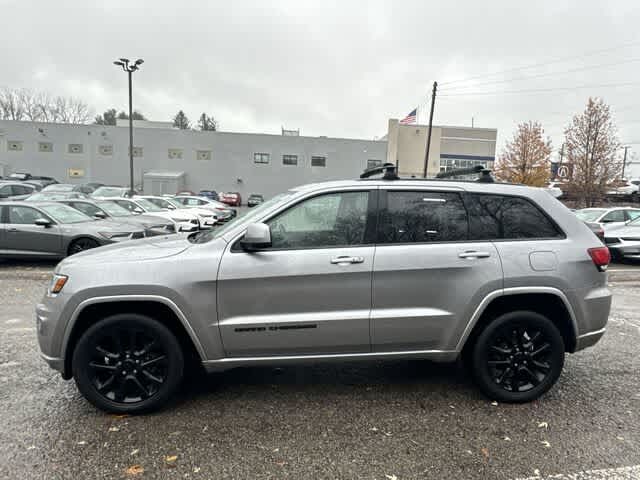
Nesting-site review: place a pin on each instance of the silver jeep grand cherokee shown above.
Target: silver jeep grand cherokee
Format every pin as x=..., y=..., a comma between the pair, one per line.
x=502, y=276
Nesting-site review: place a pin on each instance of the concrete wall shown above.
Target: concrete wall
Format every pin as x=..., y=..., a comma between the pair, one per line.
x=231, y=165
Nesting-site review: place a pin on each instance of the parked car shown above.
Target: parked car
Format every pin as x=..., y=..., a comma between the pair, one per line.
x=448, y=282
x=54, y=196
x=624, y=240
x=53, y=230
x=185, y=192
x=19, y=176
x=37, y=184
x=15, y=190
x=624, y=188
x=223, y=212
x=608, y=217
x=23, y=176
x=101, y=209
x=110, y=191
x=597, y=229
x=184, y=221
x=231, y=198
x=210, y=194
x=554, y=188
x=206, y=217
x=254, y=199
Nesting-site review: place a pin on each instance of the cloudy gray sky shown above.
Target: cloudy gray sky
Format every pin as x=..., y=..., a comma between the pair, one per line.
x=336, y=68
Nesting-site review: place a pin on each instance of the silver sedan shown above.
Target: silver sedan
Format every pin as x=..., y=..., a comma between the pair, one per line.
x=53, y=230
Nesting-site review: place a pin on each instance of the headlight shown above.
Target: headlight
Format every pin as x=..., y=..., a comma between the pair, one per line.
x=114, y=235
x=57, y=283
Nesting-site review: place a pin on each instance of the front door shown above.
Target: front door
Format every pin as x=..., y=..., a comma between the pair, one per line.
x=428, y=276
x=310, y=293
x=23, y=237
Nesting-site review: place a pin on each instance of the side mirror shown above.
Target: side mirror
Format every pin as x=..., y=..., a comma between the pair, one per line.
x=257, y=237
x=100, y=215
x=138, y=210
x=43, y=222
x=172, y=207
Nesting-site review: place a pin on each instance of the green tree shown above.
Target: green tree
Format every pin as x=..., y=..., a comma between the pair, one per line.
x=207, y=123
x=107, y=118
x=136, y=115
x=181, y=121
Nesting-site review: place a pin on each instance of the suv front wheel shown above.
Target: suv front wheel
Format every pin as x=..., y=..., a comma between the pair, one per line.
x=128, y=363
x=518, y=357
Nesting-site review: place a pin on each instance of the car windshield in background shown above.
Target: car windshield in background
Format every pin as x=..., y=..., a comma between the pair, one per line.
x=64, y=214
x=108, y=192
x=207, y=235
x=114, y=209
x=58, y=188
x=176, y=204
x=590, y=215
x=42, y=196
x=149, y=206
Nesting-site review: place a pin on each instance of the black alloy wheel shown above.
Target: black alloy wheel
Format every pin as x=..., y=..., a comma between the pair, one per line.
x=518, y=357
x=82, y=244
x=128, y=363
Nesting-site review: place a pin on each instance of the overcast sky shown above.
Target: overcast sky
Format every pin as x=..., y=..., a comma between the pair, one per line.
x=336, y=68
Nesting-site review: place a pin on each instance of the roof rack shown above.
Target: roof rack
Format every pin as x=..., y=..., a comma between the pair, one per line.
x=389, y=170
x=485, y=174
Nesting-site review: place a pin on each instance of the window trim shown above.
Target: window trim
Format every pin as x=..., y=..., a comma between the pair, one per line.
x=42, y=215
x=261, y=155
x=318, y=156
x=290, y=164
x=369, y=231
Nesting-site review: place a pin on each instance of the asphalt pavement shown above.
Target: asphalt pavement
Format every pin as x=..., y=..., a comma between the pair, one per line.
x=376, y=420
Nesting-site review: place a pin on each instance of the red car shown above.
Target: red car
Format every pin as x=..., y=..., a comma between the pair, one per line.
x=231, y=198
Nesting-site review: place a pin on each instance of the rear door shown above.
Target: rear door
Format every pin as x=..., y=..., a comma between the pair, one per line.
x=24, y=237
x=428, y=276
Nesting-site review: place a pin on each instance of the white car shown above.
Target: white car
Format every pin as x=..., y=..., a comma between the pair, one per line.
x=222, y=210
x=554, y=189
x=608, y=217
x=627, y=188
x=184, y=221
x=206, y=217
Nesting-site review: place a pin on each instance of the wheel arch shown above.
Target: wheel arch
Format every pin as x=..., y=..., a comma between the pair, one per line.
x=81, y=236
x=157, y=307
x=547, y=301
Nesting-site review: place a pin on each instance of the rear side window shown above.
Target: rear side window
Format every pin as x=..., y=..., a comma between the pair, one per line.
x=421, y=216
x=496, y=217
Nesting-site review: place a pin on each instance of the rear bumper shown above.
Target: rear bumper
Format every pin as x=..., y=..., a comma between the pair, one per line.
x=589, y=339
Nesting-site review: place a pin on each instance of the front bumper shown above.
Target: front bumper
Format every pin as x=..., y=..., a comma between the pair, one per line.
x=589, y=339
x=625, y=249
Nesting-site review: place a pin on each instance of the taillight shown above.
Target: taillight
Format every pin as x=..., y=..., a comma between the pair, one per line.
x=600, y=256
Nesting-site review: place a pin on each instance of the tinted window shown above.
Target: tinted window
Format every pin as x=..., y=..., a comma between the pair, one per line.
x=21, y=190
x=419, y=216
x=614, y=216
x=5, y=190
x=86, y=208
x=505, y=217
x=24, y=215
x=330, y=220
x=633, y=214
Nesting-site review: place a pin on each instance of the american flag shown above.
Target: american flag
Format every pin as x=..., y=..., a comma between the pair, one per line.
x=409, y=119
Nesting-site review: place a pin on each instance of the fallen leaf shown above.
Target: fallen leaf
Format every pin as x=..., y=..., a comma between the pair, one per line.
x=451, y=406
x=494, y=403
x=387, y=434
x=391, y=477
x=134, y=452
x=170, y=458
x=196, y=469
x=543, y=425
x=507, y=439
x=374, y=429
x=276, y=450
x=134, y=470
x=620, y=438
x=485, y=452
x=82, y=442
x=545, y=444
x=114, y=429
x=31, y=447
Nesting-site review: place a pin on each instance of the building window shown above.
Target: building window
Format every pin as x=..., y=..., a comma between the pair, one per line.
x=105, y=150
x=447, y=164
x=372, y=163
x=175, y=153
x=75, y=148
x=261, y=157
x=318, y=161
x=14, y=146
x=203, y=154
x=137, y=151
x=290, y=159
x=45, y=147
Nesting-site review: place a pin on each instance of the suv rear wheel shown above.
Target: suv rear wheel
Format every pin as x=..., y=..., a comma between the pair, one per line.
x=518, y=357
x=128, y=363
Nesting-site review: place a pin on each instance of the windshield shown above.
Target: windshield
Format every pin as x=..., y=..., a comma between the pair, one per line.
x=65, y=214
x=109, y=192
x=58, y=188
x=114, y=209
x=148, y=206
x=53, y=196
x=207, y=235
x=590, y=215
x=174, y=203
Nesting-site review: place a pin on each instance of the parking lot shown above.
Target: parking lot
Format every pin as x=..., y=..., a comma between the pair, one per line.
x=404, y=419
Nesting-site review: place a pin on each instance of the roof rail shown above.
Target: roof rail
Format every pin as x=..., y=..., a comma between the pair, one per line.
x=485, y=174
x=389, y=170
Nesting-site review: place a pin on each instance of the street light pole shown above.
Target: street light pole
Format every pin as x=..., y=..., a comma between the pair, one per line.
x=124, y=63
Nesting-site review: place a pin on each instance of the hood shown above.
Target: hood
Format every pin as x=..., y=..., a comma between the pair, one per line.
x=624, y=231
x=131, y=251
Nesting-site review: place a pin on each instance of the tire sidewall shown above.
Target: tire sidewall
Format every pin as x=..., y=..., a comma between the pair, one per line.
x=161, y=333
x=480, y=369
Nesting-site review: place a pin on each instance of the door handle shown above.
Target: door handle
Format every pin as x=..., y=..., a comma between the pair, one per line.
x=13, y=229
x=345, y=259
x=474, y=254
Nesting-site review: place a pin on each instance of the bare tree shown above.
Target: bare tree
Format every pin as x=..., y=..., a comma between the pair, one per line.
x=10, y=106
x=525, y=159
x=592, y=150
x=23, y=104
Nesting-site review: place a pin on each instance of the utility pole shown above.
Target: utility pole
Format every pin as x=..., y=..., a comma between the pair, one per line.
x=433, y=103
x=624, y=160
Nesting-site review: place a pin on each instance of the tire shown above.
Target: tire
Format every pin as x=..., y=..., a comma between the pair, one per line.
x=81, y=244
x=536, y=353
x=120, y=377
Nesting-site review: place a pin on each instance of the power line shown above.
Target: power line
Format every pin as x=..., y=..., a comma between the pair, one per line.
x=548, y=74
x=550, y=62
x=541, y=90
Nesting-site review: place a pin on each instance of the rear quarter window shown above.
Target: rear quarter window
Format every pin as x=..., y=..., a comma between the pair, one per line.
x=504, y=217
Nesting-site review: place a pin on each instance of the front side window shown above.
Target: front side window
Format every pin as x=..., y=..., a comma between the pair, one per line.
x=261, y=157
x=496, y=217
x=633, y=214
x=86, y=208
x=65, y=214
x=23, y=215
x=22, y=190
x=421, y=216
x=331, y=220
x=614, y=216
